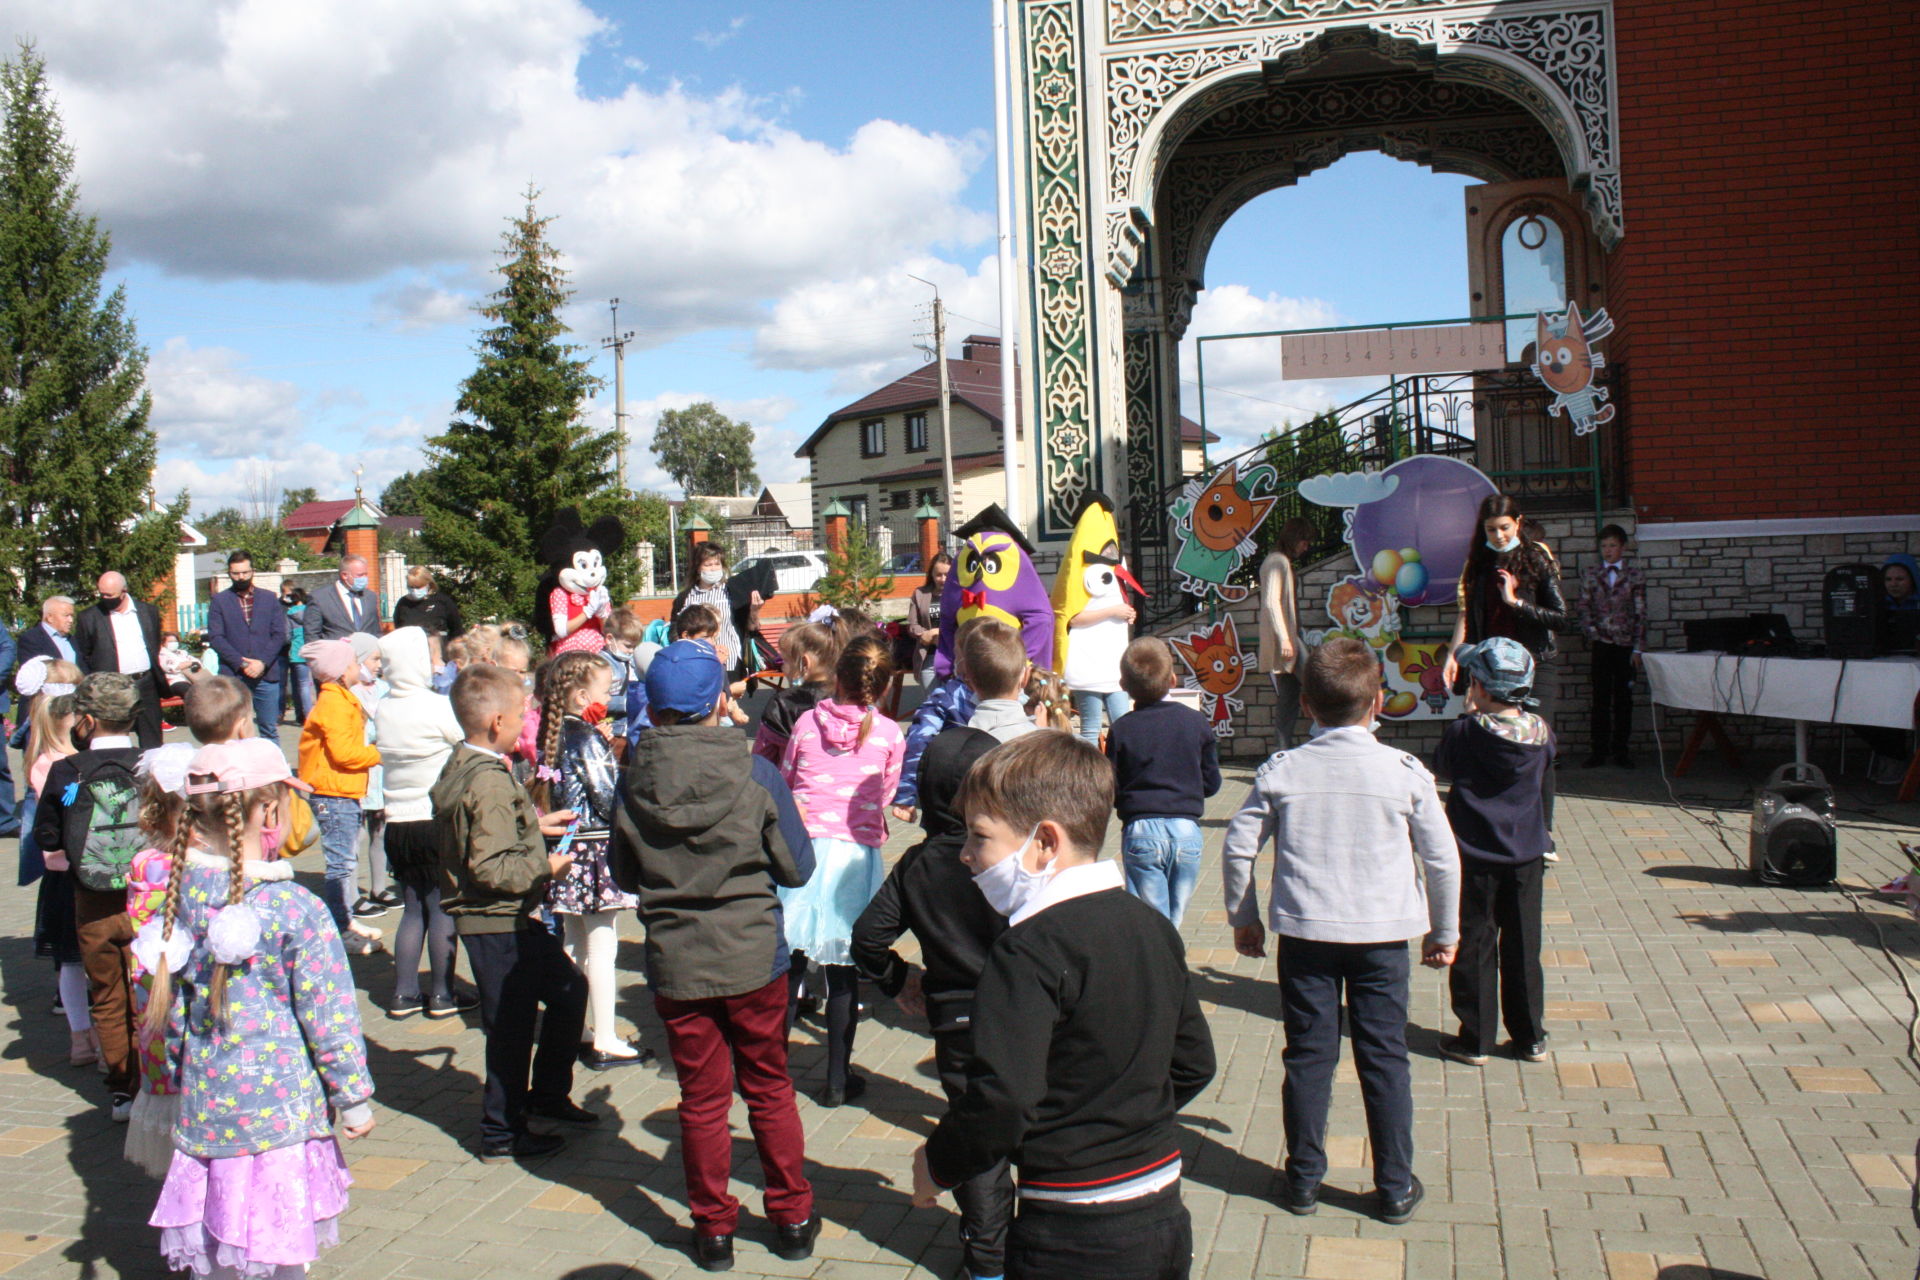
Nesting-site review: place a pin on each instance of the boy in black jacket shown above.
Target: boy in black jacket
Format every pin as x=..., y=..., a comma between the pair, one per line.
x=1499, y=757
x=1087, y=1030
x=929, y=895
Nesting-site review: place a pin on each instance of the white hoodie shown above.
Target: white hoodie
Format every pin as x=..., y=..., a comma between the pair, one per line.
x=414, y=726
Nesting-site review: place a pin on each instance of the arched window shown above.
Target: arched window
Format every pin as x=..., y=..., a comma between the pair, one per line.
x=1533, y=274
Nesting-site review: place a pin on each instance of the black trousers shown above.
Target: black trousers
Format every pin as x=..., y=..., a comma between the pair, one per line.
x=1499, y=956
x=518, y=972
x=1146, y=1239
x=146, y=719
x=843, y=995
x=1372, y=978
x=986, y=1201
x=1612, y=698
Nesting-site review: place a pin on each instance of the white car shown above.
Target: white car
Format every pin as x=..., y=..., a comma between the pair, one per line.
x=794, y=571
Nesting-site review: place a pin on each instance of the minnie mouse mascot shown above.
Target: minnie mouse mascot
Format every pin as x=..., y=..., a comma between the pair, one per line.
x=571, y=602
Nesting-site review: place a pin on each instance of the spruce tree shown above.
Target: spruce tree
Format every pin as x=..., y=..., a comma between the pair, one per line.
x=76, y=450
x=519, y=451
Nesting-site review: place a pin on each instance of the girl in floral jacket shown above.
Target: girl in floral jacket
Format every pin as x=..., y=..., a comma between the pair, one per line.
x=252, y=992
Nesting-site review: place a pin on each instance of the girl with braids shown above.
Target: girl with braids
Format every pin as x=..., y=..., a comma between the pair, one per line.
x=162, y=774
x=843, y=763
x=576, y=770
x=252, y=993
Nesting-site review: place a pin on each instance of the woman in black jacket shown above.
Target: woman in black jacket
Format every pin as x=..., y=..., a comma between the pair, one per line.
x=1511, y=587
x=431, y=610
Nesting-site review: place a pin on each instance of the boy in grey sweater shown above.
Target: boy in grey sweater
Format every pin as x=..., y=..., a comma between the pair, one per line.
x=1363, y=861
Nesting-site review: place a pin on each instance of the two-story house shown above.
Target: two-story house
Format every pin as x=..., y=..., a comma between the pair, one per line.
x=881, y=456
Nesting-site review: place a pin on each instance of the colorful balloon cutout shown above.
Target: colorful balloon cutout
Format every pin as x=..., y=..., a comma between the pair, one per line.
x=1430, y=519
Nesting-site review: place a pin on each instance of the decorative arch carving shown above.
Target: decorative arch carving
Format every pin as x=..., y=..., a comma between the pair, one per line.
x=1555, y=64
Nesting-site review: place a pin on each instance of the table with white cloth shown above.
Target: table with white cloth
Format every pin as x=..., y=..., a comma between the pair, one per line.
x=1863, y=691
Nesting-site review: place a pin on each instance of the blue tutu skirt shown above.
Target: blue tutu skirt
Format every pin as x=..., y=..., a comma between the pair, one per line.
x=820, y=913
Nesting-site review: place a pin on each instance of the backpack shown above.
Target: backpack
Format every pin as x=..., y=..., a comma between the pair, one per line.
x=101, y=833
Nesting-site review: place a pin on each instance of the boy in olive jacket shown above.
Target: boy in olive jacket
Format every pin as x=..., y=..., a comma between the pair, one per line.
x=494, y=870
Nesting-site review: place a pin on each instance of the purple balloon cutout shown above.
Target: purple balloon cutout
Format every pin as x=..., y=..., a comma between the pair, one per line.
x=1434, y=511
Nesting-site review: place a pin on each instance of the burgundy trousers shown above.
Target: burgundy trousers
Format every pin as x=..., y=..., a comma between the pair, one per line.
x=714, y=1043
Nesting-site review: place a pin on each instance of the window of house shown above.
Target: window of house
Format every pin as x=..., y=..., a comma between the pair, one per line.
x=1533, y=275
x=873, y=437
x=916, y=433
x=900, y=499
x=858, y=508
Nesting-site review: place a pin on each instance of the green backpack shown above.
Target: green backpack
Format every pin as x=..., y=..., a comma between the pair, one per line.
x=102, y=828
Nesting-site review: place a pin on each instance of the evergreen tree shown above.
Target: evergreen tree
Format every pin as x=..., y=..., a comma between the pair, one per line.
x=76, y=451
x=519, y=451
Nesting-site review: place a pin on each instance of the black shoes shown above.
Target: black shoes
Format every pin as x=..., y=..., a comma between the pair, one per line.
x=1456, y=1049
x=1534, y=1052
x=794, y=1241
x=451, y=1006
x=405, y=1008
x=525, y=1146
x=1302, y=1199
x=565, y=1110
x=1396, y=1212
x=856, y=1088
x=598, y=1060
x=367, y=908
x=712, y=1253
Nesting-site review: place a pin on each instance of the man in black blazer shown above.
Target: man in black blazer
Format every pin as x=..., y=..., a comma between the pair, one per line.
x=122, y=634
x=51, y=637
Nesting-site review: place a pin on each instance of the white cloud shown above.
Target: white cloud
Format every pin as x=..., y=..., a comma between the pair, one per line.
x=258, y=139
x=774, y=440
x=713, y=39
x=421, y=304
x=867, y=326
x=1245, y=394
x=239, y=484
x=206, y=403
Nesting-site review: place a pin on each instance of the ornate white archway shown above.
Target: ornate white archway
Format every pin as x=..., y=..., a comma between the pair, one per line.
x=1111, y=89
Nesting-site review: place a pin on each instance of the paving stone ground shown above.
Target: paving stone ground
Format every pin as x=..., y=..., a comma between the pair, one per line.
x=1729, y=1095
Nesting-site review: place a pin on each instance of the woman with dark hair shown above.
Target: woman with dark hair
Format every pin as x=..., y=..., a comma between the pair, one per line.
x=923, y=614
x=1511, y=587
x=738, y=611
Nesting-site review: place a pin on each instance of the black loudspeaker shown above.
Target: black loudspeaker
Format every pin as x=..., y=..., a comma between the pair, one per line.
x=1854, y=606
x=1793, y=843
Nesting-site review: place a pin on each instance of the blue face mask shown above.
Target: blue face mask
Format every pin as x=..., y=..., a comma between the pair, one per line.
x=1510, y=544
x=359, y=583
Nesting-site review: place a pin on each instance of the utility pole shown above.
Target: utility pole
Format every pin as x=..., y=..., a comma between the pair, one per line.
x=939, y=351
x=619, y=343
x=1003, y=183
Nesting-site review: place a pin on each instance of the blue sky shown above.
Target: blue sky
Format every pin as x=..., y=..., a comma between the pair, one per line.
x=305, y=201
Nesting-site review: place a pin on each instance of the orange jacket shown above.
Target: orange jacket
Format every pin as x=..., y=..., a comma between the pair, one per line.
x=335, y=756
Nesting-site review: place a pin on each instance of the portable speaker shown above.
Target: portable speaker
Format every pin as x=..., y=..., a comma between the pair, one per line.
x=1854, y=610
x=1793, y=842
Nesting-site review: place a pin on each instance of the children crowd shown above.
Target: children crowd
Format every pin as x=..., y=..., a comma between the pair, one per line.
x=522, y=811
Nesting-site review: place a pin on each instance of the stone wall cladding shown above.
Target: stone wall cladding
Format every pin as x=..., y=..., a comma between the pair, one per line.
x=1703, y=578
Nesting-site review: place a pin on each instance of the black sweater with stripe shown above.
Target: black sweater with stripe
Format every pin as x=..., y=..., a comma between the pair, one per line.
x=1087, y=1039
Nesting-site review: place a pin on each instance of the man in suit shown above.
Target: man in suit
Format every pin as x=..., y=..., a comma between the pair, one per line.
x=248, y=629
x=51, y=637
x=123, y=634
x=344, y=606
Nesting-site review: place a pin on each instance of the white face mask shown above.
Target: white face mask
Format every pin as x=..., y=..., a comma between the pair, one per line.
x=418, y=593
x=1007, y=885
x=1503, y=547
x=712, y=577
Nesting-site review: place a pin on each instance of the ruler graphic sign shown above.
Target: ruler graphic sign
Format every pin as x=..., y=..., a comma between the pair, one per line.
x=1453, y=348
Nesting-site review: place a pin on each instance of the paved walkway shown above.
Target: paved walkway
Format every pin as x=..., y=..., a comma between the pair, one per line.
x=1729, y=1095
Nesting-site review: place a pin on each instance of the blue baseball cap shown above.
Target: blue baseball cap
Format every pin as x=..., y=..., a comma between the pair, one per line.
x=686, y=677
x=1502, y=666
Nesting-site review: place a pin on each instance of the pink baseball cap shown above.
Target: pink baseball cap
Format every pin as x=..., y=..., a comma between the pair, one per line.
x=239, y=766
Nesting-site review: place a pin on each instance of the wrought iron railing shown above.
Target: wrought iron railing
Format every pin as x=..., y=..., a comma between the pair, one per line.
x=1497, y=420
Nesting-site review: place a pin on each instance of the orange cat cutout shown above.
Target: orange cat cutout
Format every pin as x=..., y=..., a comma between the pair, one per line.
x=1213, y=656
x=1565, y=361
x=1214, y=519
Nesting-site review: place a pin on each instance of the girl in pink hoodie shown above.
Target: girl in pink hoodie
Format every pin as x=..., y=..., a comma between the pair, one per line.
x=843, y=763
